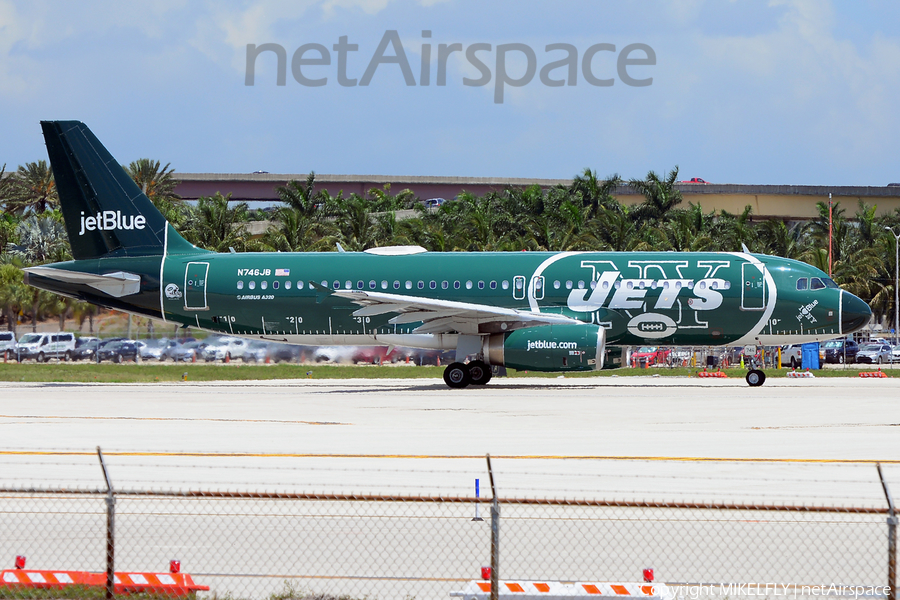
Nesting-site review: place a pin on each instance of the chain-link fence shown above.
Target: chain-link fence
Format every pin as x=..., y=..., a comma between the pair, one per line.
x=256, y=545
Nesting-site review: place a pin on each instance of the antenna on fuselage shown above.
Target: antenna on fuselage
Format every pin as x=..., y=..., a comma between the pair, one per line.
x=339, y=247
x=744, y=248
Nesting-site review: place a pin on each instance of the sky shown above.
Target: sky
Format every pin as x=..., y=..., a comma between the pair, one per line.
x=734, y=91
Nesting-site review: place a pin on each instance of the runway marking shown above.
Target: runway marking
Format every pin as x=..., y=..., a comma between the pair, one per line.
x=287, y=422
x=849, y=461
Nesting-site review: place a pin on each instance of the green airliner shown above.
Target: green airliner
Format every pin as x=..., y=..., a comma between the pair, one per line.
x=541, y=311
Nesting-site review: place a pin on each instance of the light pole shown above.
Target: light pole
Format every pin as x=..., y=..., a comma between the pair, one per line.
x=896, y=281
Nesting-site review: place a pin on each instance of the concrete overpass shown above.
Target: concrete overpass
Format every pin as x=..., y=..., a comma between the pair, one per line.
x=768, y=201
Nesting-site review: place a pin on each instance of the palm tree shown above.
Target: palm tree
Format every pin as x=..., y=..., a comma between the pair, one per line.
x=660, y=195
x=42, y=239
x=302, y=198
x=778, y=238
x=594, y=192
x=34, y=189
x=14, y=294
x=216, y=225
x=158, y=184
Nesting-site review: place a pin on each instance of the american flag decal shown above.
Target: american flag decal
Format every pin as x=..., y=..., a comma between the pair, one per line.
x=282, y=272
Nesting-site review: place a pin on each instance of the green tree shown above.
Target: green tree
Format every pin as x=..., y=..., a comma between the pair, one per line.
x=660, y=195
x=158, y=183
x=14, y=294
x=217, y=224
x=34, y=189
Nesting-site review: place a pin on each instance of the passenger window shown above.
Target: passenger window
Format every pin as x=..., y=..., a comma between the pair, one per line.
x=274, y=285
x=455, y=285
x=421, y=285
x=348, y=285
x=493, y=285
x=240, y=285
x=504, y=284
x=287, y=285
x=299, y=285
x=409, y=285
x=816, y=284
x=384, y=284
x=594, y=284
x=580, y=284
x=252, y=285
x=396, y=285
x=569, y=284
x=433, y=285
x=801, y=283
x=480, y=285
x=469, y=285
x=337, y=285
x=264, y=284
x=360, y=284
x=445, y=285
x=556, y=284
x=372, y=284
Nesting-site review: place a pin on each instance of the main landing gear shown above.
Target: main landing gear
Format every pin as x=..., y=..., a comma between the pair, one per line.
x=755, y=377
x=459, y=375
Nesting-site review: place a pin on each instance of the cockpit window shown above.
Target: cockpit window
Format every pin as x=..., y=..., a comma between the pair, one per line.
x=802, y=283
x=829, y=283
x=816, y=283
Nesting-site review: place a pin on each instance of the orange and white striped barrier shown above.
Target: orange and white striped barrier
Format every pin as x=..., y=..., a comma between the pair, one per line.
x=169, y=584
x=878, y=373
x=807, y=374
x=719, y=374
x=544, y=590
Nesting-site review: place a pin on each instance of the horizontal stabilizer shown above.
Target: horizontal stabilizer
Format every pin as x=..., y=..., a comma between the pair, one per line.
x=116, y=284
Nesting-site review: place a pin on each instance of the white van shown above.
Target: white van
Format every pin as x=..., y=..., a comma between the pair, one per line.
x=7, y=341
x=44, y=346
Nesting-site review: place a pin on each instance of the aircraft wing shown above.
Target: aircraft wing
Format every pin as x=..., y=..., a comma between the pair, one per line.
x=447, y=316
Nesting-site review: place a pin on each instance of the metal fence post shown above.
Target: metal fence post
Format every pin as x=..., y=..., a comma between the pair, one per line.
x=495, y=536
x=110, y=531
x=892, y=538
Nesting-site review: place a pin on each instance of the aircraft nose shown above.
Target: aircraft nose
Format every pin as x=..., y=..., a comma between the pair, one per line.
x=854, y=313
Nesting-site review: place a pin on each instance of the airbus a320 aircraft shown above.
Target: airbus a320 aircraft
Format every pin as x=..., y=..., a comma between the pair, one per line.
x=539, y=311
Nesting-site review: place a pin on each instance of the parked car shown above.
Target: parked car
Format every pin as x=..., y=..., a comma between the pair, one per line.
x=874, y=353
x=792, y=355
x=218, y=349
x=651, y=355
x=188, y=352
x=283, y=352
x=895, y=353
x=840, y=351
x=119, y=351
x=85, y=348
x=7, y=341
x=44, y=346
x=256, y=352
x=152, y=349
x=172, y=346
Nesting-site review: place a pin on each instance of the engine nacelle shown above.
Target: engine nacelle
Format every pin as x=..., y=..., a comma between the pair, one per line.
x=549, y=348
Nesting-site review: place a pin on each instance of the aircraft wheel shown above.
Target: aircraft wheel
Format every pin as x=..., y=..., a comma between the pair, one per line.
x=456, y=375
x=479, y=372
x=755, y=377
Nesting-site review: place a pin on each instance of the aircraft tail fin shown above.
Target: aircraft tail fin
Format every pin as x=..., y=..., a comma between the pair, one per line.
x=105, y=212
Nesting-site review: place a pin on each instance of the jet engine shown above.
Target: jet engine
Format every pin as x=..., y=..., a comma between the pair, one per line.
x=549, y=348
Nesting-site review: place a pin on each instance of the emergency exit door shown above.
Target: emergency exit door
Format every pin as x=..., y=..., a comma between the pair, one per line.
x=195, y=279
